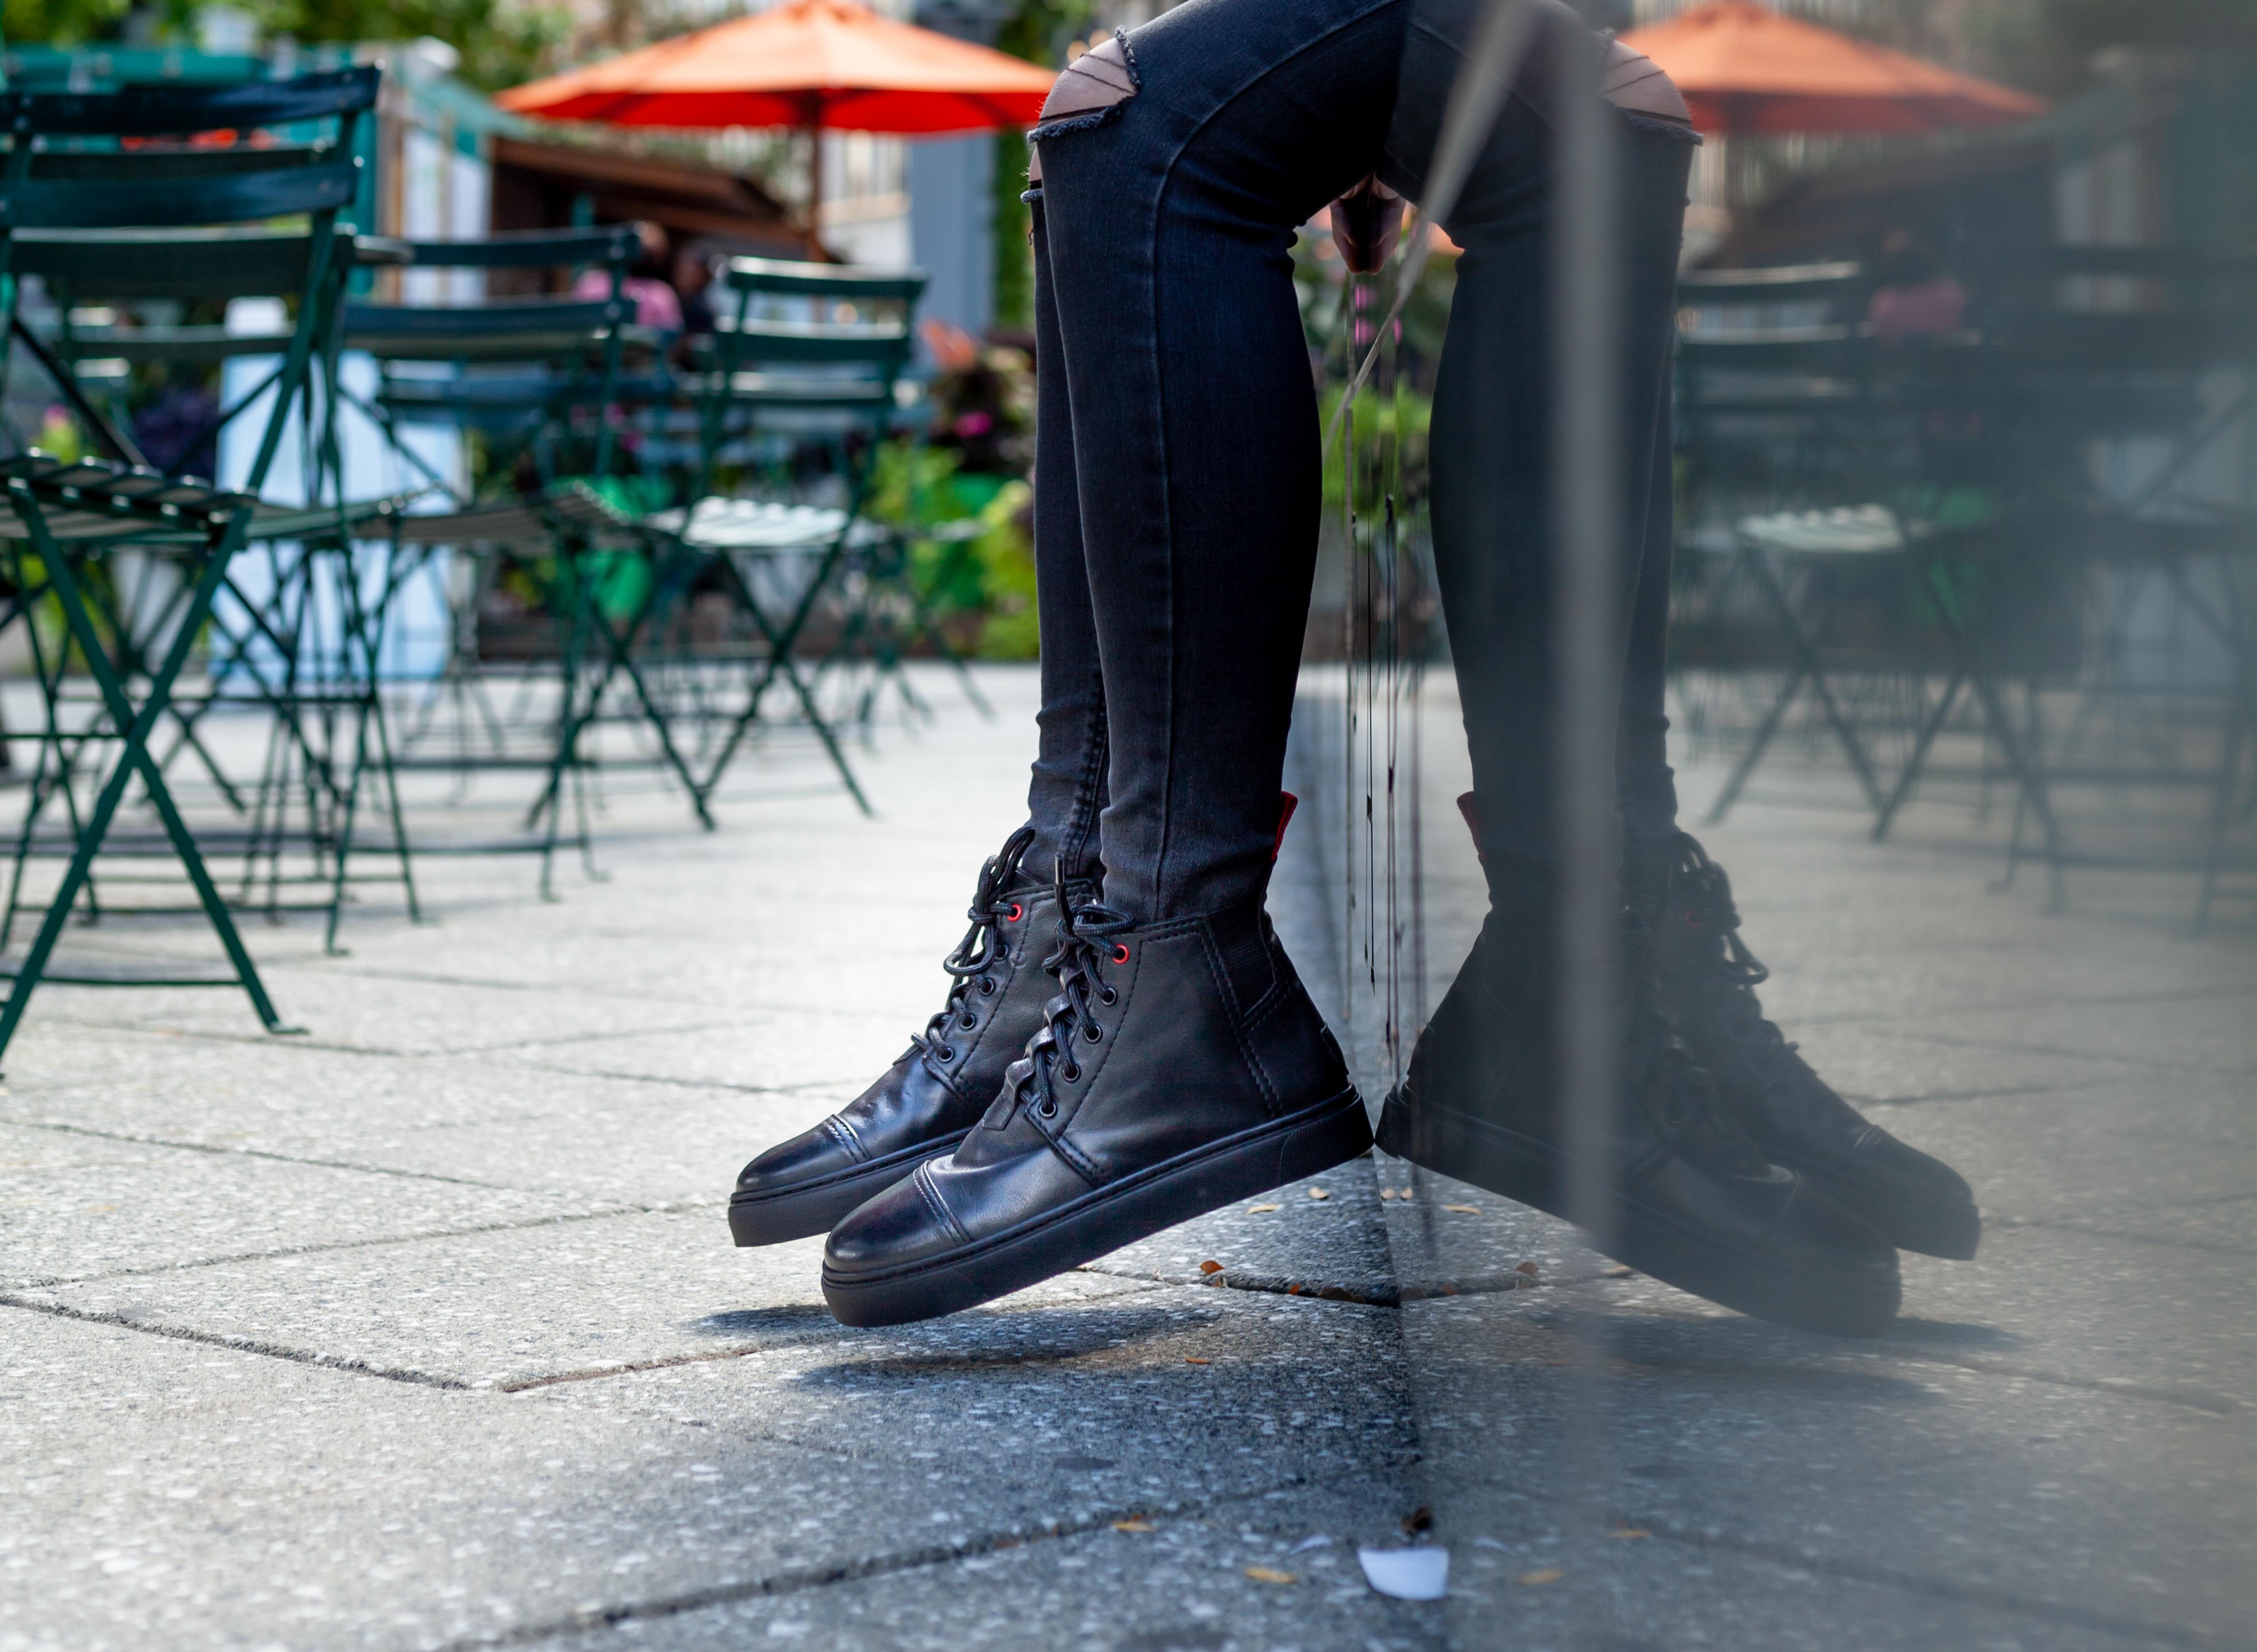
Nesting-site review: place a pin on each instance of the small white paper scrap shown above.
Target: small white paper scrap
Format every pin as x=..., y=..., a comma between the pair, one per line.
x=1315, y=1540
x=1407, y=1574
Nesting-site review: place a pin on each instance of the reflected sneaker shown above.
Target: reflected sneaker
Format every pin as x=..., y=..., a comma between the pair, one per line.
x=1696, y=1204
x=1181, y=1067
x=1709, y=981
x=939, y=1087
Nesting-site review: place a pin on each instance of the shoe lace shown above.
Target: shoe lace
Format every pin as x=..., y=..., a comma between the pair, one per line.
x=1086, y=944
x=1704, y=891
x=973, y=961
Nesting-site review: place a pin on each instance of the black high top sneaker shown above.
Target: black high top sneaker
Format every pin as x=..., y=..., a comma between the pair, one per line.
x=942, y=1084
x=1181, y=1067
x=1709, y=981
x=1697, y=1205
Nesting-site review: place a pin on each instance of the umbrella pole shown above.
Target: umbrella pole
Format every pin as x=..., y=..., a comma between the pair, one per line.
x=814, y=190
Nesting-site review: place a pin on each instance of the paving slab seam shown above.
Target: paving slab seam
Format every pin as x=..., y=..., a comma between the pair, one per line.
x=235, y=1345
x=1962, y=1593
x=2121, y=1235
x=802, y=1087
x=802, y=1579
x=679, y=1208
x=2009, y=1047
x=268, y=1153
x=1393, y=1295
x=300, y=1040
x=2119, y=1387
x=1858, y=1100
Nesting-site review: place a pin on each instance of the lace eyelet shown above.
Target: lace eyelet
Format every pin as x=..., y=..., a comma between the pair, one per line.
x=1046, y=1109
x=1016, y=913
x=1120, y=954
x=1094, y=1033
x=947, y=1052
x=968, y=1022
x=1070, y=1073
x=1108, y=996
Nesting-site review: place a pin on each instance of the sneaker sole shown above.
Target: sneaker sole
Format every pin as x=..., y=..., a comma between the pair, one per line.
x=1120, y=1213
x=817, y=1207
x=1836, y=1302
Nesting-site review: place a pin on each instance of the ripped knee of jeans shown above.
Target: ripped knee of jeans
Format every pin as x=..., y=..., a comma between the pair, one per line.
x=1088, y=93
x=1634, y=83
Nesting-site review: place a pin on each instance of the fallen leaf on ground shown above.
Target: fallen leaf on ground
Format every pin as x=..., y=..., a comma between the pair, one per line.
x=1407, y=1574
x=1319, y=1193
x=1529, y=1268
x=1134, y=1525
x=1464, y=1210
x=1210, y=1266
x=1257, y=1209
x=1617, y=1271
x=1630, y=1533
x=1190, y=1361
x=1543, y=1575
x=1271, y=1574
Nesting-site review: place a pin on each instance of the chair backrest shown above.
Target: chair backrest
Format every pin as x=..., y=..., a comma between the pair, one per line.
x=92, y=182
x=839, y=358
x=553, y=338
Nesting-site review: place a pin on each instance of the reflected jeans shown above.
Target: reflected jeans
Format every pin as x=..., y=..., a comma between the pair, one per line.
x=1178, y=475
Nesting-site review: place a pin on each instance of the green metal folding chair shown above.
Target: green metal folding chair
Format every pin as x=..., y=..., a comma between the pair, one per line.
x=832, y=377
x=540, y=377
x=75, y=202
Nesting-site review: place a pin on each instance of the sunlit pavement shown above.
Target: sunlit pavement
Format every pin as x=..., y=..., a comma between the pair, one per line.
x=423, y=1328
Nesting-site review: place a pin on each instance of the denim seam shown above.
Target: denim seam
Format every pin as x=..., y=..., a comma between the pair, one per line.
x=1167, y=177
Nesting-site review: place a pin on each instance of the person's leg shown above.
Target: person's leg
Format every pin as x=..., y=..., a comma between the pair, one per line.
x=1693, y=1200
x=1182, y=1066
x=1067, y=789
x=922, y=1105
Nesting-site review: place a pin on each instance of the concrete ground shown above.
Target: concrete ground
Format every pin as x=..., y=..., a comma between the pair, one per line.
x=423, y=1329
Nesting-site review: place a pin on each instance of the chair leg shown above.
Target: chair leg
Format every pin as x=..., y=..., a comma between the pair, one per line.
x=1931, y=727
x=135, y=729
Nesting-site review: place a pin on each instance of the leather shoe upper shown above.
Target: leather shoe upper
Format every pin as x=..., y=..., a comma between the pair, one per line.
x=1161, y=1038
x=938, y=1086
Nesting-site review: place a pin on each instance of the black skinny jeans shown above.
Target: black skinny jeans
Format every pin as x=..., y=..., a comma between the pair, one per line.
x=1177, y=476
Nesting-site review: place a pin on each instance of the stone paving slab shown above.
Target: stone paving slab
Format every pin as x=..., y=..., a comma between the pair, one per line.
x=78, y=1207
x=158, y=1493
x=490, y=1120
x=2075, y=1512
x=510, y=1309
x=1152, y=1397
x=1171, y=1585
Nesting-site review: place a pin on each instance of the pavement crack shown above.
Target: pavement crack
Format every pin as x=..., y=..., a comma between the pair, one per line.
x=56, y=1281
x=791, y=1580
x=256, y=1153
x=233, y=1345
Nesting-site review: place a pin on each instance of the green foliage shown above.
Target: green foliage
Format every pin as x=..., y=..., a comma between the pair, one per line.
x=61, y=22
x=1037, y=31
x=982, y=587
x=502, y=42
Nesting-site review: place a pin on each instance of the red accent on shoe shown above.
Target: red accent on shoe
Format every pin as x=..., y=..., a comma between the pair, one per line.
x=1120, y=953
x=1018, y=912
x=1286, y=804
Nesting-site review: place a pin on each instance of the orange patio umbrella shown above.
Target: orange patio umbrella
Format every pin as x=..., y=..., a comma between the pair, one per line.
x=810, y=64
x=807, y=63
x=1743, y=68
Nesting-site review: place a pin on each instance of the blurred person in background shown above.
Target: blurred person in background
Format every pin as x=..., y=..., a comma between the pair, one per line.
x=1126, y=1043
x=1915, y=299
